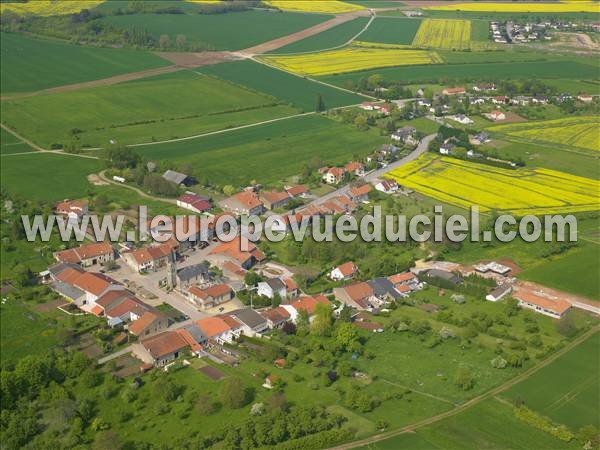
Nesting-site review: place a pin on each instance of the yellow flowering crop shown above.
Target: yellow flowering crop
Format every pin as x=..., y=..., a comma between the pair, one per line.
x=350, y=59
x=521, y=191
x=572, y=6
x=49, y=7
x=574, y=131
x=317, y=6
x=443, y=33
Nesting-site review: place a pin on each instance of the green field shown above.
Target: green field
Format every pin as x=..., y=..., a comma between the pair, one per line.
x=333, y=37
x=32, y=64
x=292, y=89
x=11, y=144
x=490, y=425
x=517, y=70
x=48, y=177
x=232, y=31
x=495, y=57
x=480, y=30
x=567, y=390
x=284, y=147
x=174, y=105
x=391, y=31
x=575, y=272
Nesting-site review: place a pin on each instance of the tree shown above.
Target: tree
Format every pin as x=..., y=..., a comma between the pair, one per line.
x=464, y=379
x=229, y=190
x=361, y=122
x=23, y=276
x=107, y=440
x=320, y=104
x=205, y=405
x=323, y=319
x=164, y=41
x=278, y=402
x=347, y=335
x=232, y=393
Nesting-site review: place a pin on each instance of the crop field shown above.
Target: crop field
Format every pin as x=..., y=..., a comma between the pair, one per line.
x=253, y=27
x=443, y=33
x=284, y=147
x=391, y=31
x=516, y=70
x=512, y=7
x=49, y=7
x=25, y=63
x=567, y=390
x=159, y=108
x=333, y=37
x=490, y=424
x=292, y=89
x=315, y=6
x=573, y=131
x=350, y=59
x=521, y=191
x=48, y=177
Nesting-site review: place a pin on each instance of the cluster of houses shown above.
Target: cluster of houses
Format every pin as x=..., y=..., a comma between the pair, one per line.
x=254, y=201
x=384, y=109
x=216, y=331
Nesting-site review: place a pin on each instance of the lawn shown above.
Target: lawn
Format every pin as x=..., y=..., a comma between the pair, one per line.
x=284, y=147
x=298, y=91
x=516, y=70
x=350, y=59
x=391, y=30
x=575, y=272
x=490, y=424
x=244, y=29
x=567, y=390
x=581, y=163
x=333, y=37
x=26, y=62
x=48, y=177
x=521, y=191
x=179, y=104
x=10, y=144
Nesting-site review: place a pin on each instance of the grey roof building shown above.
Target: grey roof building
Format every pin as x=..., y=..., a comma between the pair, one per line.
x=196, y=333
x=444, y=275
x=250, y=318
x=178, y=178
x=382, y=288
x=193, y=274
x=66, y=290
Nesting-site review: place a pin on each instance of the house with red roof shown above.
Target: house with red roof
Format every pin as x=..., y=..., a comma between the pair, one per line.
x=164, y=347
x=72, y=209
x=334, y=175
x=245, y=202
x=360, y=193
x=276, y=317
x=149, y=323
x=149, y=258
x=211, y=296
x=345, y=271
x=355, y=168
x=299, y=190
x=87, y=255
x=220, y=329
x=307, y=304
x=233, y=250
x=554, y=308
x=405, y=282
x=275, y=199
x=357, y=295
x=194, y=202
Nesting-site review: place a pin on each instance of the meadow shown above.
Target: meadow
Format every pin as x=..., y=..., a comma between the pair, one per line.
x=391, y=31
x=292, y=89
x=520, y=191
x=507, y=70
x=447, y=33
x=522, y=7
x=49, y=7
x=49, y=177
x=568, y=389
x=333, y=37
x=572, y=131
x=253, y=27
x=315, y=6
x=174, y=105
x=490, y=424
x=10, y=144
x=284, y=147
x=349, y=60
x=25, y=62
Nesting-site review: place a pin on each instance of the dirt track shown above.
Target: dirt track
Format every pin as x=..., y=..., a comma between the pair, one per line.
x=294, y=37
x=102, y=82
x=190, y=60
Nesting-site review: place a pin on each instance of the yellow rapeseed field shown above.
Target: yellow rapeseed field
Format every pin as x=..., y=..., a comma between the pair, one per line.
x=317, y=6
x=571, y=6
x=521, y=191
x=49, y=8
x=350, y=59
x=574, y=131
x=443, y=33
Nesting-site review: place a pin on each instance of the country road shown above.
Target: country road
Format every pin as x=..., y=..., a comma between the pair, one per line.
x=141, y=193
x=374, y=175
x=474, y=401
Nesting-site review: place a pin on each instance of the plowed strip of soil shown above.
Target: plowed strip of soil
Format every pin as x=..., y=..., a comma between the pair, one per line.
x=198, y=59
x=294, y=37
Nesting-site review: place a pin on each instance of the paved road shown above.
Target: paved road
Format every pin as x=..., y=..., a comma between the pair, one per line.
x=474, y=401
x=375, y=174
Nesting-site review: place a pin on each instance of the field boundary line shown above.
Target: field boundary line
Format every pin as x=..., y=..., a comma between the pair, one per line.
x=475, y=400
x=313, y=79
x=435, y=397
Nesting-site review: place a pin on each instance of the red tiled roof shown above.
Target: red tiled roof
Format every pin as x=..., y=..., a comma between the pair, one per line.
x=230, y=321
x=218, y=290
x=559, y=306
x=78, y=254
x=96, y=310
x=105, y=300
x=290, y=284
x=90, y=282
x=234, y=268
x=274, y=196
x=248, y=199
x=347, y=269
x=309, y=303
x=137, y=327
x=129, y=305
x=276, y=315
x=359, y=291
x=353, y=166
x=212, y=326
x=233, y=250
x=360, y=191
x=297, y=190
x=402, y=277
x=164, y=344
